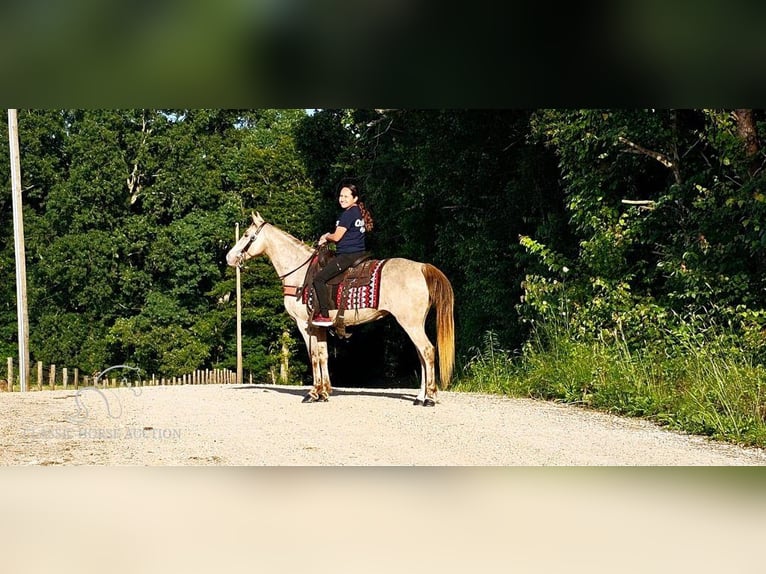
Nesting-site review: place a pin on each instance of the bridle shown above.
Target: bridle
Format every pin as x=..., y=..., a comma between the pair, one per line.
x=251, y=240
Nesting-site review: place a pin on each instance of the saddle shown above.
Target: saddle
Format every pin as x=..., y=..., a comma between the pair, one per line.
x=360, y=275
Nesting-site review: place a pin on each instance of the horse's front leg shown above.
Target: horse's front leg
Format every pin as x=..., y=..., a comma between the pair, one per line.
x=319, y=365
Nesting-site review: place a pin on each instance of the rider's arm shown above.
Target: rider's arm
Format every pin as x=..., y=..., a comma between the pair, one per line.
x=335, y=236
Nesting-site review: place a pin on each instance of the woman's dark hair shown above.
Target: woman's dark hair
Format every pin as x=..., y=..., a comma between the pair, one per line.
x=366, y=215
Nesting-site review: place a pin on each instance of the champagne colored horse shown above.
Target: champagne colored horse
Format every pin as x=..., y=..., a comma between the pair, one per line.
x=408, y=290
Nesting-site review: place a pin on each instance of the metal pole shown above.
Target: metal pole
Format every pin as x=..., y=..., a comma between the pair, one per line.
x=239, y=316
x=21, y=267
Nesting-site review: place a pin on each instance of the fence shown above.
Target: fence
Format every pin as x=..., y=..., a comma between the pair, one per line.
x=52, y=378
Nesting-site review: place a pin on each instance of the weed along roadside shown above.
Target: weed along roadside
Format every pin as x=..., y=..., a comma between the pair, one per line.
x=704, y=387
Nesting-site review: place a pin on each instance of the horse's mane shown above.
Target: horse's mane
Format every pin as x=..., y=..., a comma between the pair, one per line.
x=294, y=240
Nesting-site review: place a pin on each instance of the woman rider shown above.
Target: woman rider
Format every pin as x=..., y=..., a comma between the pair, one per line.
x=349, y=236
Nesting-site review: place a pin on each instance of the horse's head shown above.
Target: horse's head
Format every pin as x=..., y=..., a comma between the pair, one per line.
x=249, y=245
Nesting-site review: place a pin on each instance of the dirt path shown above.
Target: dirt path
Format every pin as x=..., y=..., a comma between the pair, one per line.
x=268, y=425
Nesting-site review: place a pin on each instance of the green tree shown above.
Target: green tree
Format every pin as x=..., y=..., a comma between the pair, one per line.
x=692, y=247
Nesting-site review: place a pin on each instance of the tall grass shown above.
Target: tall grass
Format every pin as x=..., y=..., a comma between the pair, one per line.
x=696, y=384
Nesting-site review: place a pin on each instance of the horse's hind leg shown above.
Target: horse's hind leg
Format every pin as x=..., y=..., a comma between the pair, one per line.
x=429, y=374
x=427, y=356
x=423, y=376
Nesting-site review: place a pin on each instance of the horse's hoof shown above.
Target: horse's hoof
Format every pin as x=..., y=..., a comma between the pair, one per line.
x=417, y=402
x=309, y=399
x=429, y=403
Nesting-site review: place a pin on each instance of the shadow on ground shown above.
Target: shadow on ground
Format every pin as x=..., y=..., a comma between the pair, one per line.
x=302, y=391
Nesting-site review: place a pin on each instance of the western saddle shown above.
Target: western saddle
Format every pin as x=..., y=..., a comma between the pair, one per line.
x=359, y=274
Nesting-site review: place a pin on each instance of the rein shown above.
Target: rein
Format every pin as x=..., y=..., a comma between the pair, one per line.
x=313, y=253
x=295, y=290
x=254, y=236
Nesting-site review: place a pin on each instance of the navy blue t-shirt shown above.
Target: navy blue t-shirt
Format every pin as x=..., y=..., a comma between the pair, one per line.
x=353, y=240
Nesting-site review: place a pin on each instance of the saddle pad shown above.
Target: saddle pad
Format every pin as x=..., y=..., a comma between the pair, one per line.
x=361, y=296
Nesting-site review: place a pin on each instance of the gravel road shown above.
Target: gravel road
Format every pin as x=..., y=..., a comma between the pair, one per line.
x=112, y=510
x=267, y=425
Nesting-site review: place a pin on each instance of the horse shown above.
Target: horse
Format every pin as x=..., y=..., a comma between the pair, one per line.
x=408, y=291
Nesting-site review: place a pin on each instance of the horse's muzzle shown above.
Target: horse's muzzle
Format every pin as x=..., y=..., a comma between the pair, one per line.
x=235, y=260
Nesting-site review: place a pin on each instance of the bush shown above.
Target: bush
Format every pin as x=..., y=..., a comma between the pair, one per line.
x=701, y=384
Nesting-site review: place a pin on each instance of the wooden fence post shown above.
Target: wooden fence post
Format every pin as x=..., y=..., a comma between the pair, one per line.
x=76, y=378
x=52, y=377
x=64, y=376
x=39, y=375
x=10, y=374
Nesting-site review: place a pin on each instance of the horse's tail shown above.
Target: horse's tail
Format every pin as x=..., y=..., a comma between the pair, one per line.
x=442, y=298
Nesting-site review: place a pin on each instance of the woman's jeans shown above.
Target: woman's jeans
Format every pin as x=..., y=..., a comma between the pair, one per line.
x=337, y=265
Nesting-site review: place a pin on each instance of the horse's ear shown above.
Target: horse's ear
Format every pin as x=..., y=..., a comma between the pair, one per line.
x=256, y=217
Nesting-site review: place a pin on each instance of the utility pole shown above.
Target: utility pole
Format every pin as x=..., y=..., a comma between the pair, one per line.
x=21, y=266
x=239, y=316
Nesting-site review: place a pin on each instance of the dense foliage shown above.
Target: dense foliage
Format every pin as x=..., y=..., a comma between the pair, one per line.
x=634, y=226
x=128, y=216
x=691, y=254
